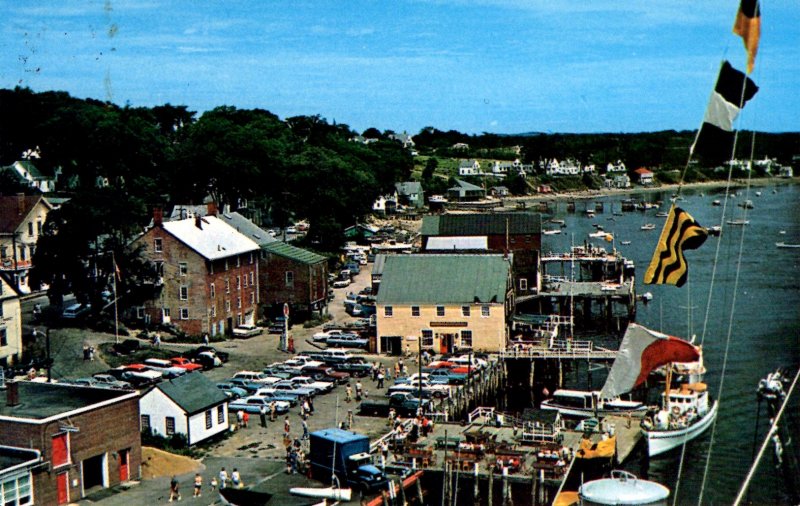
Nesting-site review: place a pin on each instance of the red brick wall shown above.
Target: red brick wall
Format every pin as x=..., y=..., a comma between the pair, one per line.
x=108, y=429
x=204, y=311
x=310, y=282
x=515, y=242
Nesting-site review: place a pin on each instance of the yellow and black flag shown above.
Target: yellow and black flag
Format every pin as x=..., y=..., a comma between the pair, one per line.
x=681, y=232
x=748, y=27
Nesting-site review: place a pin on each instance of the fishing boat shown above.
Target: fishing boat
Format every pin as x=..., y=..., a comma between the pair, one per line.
x=714, y=230
x=554, y=231
x=625, y=243
x=685, y=413
x=584, y=404
x=747, y=204
x=786, y=245
x=648, y=226
x=600, y=234
x=716, y=203
x=558, y=222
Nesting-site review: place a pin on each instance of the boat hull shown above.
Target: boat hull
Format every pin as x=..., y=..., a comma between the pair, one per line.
x=662, y=441
x=338, y=494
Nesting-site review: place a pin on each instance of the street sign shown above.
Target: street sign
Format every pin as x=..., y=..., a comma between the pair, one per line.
x=286, y=310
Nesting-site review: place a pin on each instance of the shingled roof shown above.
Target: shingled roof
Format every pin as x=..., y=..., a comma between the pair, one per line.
x=211, y=237
x=14, y=209
x=444, y=279
x=476, y=224
x=293, y=253
x=193, y=392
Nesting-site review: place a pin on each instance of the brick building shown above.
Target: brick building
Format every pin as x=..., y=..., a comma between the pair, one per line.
x=295, y=276
x=504, y=231
x=87, y=438
x=208, y=274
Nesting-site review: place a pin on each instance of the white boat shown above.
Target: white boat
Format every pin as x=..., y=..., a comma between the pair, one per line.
x=600, y=234
x=686, y=413
x=716, y=203
x=747, y=204
x=337, y=494
x=786, y=245
x=583, y=404
x=558, y=222
x=714, y=230
x=758, y=194
x=738, y=222
x=648, y=226
x=661, y=214
x=625, y=243
x=552, y=232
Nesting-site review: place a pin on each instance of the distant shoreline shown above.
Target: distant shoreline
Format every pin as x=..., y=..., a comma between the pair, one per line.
x=609, y=192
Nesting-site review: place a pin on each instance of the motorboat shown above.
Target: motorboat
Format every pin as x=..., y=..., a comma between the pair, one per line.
x=786, y=245
x=686, y=412
x=337, y=494
x=580, y=403
x=648, y=226
x=716, y=203
x=738, y=222
x=554, y=231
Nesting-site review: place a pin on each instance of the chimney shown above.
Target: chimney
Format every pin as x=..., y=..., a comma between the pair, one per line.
x=211, y=209
x=12, y=394
x=21, y=203
x=158, y=216
x=198, y=221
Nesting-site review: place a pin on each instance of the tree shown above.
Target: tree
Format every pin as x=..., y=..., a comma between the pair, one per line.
x=430, y=168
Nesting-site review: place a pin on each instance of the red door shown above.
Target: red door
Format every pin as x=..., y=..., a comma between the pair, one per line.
x=62, y=484
x=124, y=470
x=444, y=343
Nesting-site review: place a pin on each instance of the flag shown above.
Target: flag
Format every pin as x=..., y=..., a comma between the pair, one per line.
x=731, y=93
x=117, y=271
x=642, y=350
x=681, y=232
x=748, y=27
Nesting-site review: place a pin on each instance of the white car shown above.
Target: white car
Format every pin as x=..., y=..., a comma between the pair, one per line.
x=434, y=389
x=300, y=362
x=247, y=330
x=307, y=382
x=322, y=337
x=341, y=283
x=464, y=361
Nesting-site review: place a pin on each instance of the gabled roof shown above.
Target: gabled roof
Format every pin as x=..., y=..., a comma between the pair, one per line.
x=444, y=279
x=245, y=226
x=642, y=171
x=8, y=290
x=193, y=392
x=474, y=224
x=463, y=185
x=28, y=167
x=213, y=239
x=14, y=209
x=408, y=187
x=293, y=252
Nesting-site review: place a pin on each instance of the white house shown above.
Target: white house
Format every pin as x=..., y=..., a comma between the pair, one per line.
x=645, y=176
x=10, y=323
x=385, y=204
x=617, y=167
x=568, y=167
x=190, y=405
x=469, y=168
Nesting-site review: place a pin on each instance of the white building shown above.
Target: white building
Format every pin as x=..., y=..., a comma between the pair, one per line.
x=190, y=405
x=617, y=167
x=469, y=168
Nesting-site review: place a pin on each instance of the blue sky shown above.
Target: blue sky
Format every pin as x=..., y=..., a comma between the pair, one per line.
x=502, y=66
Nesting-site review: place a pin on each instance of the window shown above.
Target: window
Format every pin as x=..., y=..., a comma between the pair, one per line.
x=30, y=229
x=388, y=311
x=289, y=278
x=226, y=264
x=3, y=337
x=214, y=311
x=252, y=297
x=39, y=227
x=466, y=339
x=427, y=339
x=464, y=310
x=145, y=422
x=140, y=312
x=166, y=312
x=183, y=268
x=251, y=259
x=213, y=290
x=228, y=306
x=414, y=310
x=485, y=311
x=184, y=313
x=252, y=278
x=238, y=282
x=239, y=320
x=523, y=284
x=244, y=281
x=209, y=419
x=439, y=310
x=16, y=491
x=227, y=286
x=170, y=424
x=238, y=302
x=220, y=414
x=238, y=261
x=158, y=245
x=61, y=449
x=184, y=293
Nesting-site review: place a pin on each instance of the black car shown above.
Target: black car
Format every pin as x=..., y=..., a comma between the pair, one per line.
x=222, y=355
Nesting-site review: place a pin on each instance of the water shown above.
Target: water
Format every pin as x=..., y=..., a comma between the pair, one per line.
x=765, y=328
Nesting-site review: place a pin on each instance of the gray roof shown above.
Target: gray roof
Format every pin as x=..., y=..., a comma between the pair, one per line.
x=193, y=392
x=247, y=227
x=472, y=224
x=445, y=243
x=408, y=187
x=377, y=265
x=463, y=185
x=43, y=400
x=444, y=279
x=213, y=239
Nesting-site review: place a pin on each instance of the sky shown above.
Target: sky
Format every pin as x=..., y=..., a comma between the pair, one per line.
x=499, y=66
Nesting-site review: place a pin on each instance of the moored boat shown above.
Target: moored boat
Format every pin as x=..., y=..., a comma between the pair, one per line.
x=648, y=226
x=580, y=403
x=786, y=245
x=337, y=494
x=738, y=222
x=686, y=413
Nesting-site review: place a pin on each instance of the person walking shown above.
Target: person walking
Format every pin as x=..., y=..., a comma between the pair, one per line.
x=380, y=379
x=359, y=390
x=198, y=485
x=240, y=418
x=311, y=406
x=287, y=428
x=348, y=393
x=213, y=483
x=305, y=428
x=223, y=478
x=236, y=479
x=205, y=338
x=307, y=407
x=273, y=412
x=157, y=340
x=262, y=412
x=174, y=490
x=245, y=418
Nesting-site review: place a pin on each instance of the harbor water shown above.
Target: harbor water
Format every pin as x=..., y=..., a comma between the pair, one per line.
x=757, y=322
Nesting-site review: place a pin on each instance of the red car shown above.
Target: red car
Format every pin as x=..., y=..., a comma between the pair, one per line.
x=185, y=363
x=441, y=364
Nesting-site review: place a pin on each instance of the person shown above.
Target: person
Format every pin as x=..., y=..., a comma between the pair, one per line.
x=307, y=407
x=37, y=311
x=310, y=406
x=240, y=418
x=305, y=428
x=245, y=418
x=273, y=411
x=174, y=492
x=213, y=483
x=287, y=426
x=205, y=338
x=348, y=393
x=91, y=353
x=359, y=390
x=263, y=414
x=157, y=340
x=392, y=414
x=385, y=450
x=408, y=350
x=198, y=485
x=223, y=478
x=236, y=479
x=380, y=378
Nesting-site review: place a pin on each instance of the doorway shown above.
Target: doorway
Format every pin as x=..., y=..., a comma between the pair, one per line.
x=124, y=465
x=94, y=473
x=446, y=343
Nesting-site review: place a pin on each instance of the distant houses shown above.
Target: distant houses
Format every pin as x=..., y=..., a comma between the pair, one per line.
x=465, y=192
x=26, y=172
x=22, y=219
x=645, y=176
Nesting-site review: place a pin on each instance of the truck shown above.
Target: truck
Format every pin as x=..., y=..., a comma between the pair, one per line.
x=404, y=404
x=345, y=455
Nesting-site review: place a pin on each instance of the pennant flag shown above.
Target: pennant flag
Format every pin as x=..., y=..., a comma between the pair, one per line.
x=732, y=91
x=681, y=232
x=748, y=27
x=642, y=350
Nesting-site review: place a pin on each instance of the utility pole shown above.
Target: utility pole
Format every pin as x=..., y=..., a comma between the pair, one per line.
x=47, y=347
x=419, y=362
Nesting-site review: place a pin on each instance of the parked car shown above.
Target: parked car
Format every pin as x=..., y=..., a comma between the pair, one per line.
x=76, y=311
x=353, y=267
x=248, y=385
x=254, y=404
x=271, y=395
x=322, y=373
x=252, y=376
x=348, y=341
x=109, y=381
x=436, y=390
x=308, y=382
x=167, y=369
x=247, y=331
x=83, y=382
x=321, y=337
x=232, y=391
x=138, y=375
x=221, y=355
x=341, y=283
x=288, y=386
x=185, y=363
